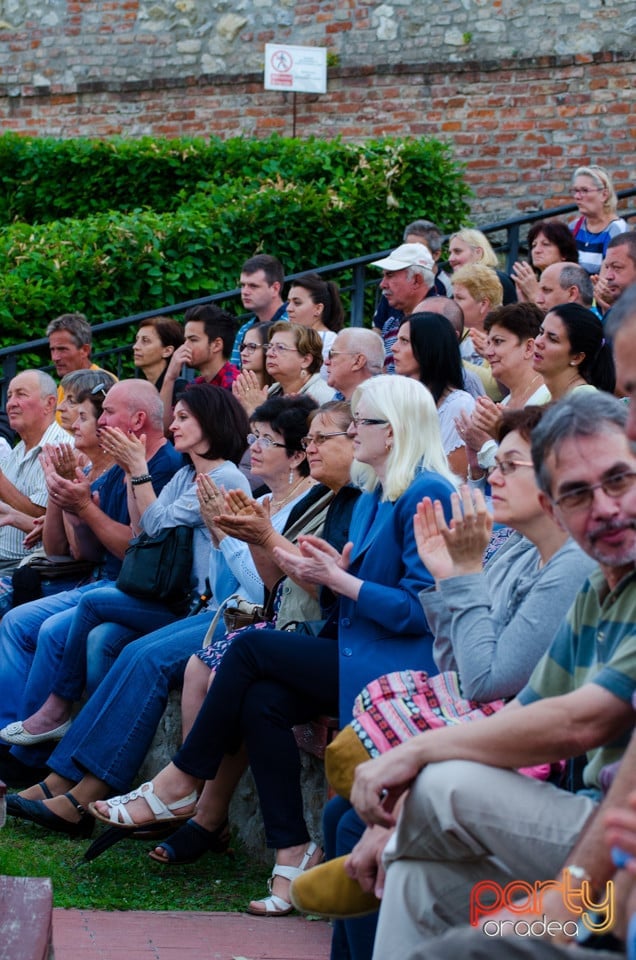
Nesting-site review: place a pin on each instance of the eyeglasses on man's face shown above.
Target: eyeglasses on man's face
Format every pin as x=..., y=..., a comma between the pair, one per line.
x=340, y=353
x=580, y=498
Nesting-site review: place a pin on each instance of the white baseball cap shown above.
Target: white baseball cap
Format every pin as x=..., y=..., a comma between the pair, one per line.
x=407, y=255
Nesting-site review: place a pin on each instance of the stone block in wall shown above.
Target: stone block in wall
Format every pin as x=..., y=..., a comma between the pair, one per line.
x=245, y=817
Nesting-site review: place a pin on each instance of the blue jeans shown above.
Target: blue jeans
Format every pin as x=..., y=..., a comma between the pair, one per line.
x=31, y=637
x=132, y=615
x=342, y=828
x=112, y=733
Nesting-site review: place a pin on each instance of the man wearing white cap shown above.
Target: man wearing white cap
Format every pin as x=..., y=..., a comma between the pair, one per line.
x=408, y=274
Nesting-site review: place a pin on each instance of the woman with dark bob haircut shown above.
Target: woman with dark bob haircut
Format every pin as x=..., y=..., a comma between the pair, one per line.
x=549, y=241
x=210, y=429
x=224, y=425
x=571, y=352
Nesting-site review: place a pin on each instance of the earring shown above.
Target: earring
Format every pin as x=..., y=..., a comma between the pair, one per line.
x=303, y=374
x=291, y=476
x=388, y=446
x=572, y=363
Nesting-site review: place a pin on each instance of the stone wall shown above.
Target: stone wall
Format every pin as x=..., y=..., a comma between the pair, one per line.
x=62, y=42
x=523, y=92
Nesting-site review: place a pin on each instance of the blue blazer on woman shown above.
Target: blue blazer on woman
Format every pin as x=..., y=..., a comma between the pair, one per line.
x=385, y=629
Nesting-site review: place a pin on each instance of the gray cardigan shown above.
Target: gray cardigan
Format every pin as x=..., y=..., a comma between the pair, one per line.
x=493, y=627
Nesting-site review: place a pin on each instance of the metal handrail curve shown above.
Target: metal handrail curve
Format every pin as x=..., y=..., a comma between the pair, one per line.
x=509, y=248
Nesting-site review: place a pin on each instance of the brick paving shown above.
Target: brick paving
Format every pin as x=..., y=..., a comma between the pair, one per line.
x=137, y=935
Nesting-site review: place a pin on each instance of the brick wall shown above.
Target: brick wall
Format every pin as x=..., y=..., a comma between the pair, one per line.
x=520, y=126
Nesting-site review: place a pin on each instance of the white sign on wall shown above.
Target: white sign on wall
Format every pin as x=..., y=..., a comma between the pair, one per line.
x=299, y=69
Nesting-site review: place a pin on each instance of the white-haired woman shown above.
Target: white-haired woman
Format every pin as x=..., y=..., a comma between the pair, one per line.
x=598, y=222
x=271, y=680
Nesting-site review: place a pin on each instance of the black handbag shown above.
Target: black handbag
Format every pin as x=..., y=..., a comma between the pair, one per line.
x=159, y=567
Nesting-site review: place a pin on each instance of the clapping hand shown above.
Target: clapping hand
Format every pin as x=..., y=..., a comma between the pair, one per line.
x=318, y=562
x=248, y=391
x=525, y=281
x=63, y=458
x=486, y=418
x=450, y=551
x=245, y=518
x=127, y=450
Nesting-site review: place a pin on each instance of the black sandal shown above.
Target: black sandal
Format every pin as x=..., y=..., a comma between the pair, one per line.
x=36, y=812
x=13, y=807
x=191, y=842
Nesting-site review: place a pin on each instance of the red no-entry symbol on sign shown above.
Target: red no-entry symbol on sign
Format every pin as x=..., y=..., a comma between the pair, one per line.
x=282, y=61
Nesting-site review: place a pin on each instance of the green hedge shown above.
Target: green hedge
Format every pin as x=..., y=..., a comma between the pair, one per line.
x=208, y=208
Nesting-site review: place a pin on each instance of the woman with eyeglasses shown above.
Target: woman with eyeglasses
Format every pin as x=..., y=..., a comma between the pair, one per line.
x=571, y=352
x=329, y=455
x=314, y=302
x=293, y=358
x=598, y=221
x=271, y=680
x=250, y=387
x=491, y=624
x=113, y=731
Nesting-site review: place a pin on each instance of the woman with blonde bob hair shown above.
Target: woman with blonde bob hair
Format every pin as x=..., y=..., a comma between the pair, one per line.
x=468, y=246
x=598, y=222
x=271, y=680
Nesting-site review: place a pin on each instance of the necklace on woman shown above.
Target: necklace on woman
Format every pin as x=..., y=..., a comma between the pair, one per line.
x=528, y=391
x=277, y=504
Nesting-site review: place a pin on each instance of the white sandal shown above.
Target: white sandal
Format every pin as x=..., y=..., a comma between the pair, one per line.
x=118, y=816
x=274, y=906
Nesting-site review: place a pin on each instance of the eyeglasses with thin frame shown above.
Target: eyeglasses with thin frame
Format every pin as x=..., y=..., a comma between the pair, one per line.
x=580, y=498
x=583, y=191
x=246, y=347
x=278, y=348
x=319, y=438
x=341, y=353
x=368, y=422
x=264, y=442
x=506, y=467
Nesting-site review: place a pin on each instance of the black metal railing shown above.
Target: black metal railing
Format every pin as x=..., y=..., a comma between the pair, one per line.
x=351, y=275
